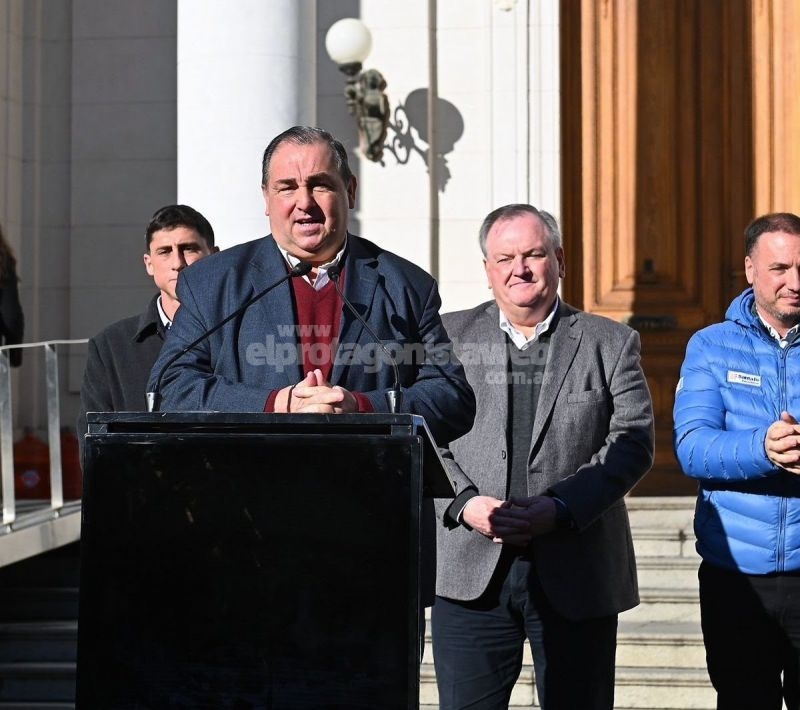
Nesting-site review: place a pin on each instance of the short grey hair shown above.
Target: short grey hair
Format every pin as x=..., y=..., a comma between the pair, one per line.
x=502, y=214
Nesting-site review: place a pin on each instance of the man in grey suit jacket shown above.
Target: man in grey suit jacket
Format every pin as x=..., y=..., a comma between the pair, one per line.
x=296, y=350
x=540, y=547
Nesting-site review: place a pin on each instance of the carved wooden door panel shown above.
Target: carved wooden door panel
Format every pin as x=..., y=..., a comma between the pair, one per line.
x=657, y=145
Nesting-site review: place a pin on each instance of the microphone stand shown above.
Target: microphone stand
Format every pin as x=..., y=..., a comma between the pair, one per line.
x=394, y=396
x=153, y=397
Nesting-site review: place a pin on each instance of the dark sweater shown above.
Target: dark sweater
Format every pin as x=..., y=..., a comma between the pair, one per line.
x=525, y=372
x=318, y=318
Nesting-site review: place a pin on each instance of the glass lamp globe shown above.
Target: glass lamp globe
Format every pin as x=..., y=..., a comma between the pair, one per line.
x=348, y=41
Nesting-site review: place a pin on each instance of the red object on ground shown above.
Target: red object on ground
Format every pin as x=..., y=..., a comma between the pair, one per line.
x=31, y=467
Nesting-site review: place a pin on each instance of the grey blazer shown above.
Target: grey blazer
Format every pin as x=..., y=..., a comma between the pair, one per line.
x=592, y=440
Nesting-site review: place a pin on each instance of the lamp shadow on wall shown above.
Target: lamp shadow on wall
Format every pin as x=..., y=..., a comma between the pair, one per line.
x=409, y=134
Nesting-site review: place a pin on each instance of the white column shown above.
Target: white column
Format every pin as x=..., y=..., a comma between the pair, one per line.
x=498, y=69
x=544, y=132
x=11, y=123
x=246, y=72
x=525, y=104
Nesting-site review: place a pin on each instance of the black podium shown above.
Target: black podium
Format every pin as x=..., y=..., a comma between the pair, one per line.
x=253, y=561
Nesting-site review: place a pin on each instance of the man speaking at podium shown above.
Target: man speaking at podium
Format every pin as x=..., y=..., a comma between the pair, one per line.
x=296, y=349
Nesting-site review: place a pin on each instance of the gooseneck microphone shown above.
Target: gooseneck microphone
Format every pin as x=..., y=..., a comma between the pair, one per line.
x=301, y=269
x=394, y=396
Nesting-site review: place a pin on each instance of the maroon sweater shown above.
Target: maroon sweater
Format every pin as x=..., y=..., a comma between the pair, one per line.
x=318, y=317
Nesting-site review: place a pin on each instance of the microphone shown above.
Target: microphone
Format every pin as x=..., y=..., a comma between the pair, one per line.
x=301, y=269
x=394, y=396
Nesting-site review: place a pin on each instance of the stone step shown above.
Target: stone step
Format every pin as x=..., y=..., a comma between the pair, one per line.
x=663, y=688
x=655, y=647
x=662, y=526
x=666, y=513
x=663, y=542
x=640, y=643
x=670, y=604
x=660, y=645
x=33, y=705
x=679, y=522
x=38, y=603
x=521, y=697
x=665, y=505
x=636, y=688
x=668, y=572
x=57, y=568
x=37, y=682
x=39, y=640
x=436, y=707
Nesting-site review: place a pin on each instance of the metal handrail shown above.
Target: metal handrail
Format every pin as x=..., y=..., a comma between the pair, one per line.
x=10, y=519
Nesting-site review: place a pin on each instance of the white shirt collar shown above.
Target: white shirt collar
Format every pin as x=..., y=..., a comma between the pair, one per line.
x=166, y=322
x=322, y=271
x=518, y=338
x=783, y=340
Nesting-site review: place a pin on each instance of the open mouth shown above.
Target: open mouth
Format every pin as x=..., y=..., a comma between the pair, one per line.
x=308, y=226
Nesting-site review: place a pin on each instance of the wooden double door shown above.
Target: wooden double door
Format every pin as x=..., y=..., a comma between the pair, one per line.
x=679, y=125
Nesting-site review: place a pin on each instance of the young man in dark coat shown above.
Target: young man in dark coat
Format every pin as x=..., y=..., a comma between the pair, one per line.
x=120, y=357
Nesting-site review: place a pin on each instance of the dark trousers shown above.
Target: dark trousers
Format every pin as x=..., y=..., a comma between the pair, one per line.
x=478, y=646
x=751, y=630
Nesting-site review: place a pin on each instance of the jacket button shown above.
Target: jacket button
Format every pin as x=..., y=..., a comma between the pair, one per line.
x=503, y=454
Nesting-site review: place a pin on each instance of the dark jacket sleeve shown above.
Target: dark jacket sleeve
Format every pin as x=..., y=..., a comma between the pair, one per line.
x=12, y=322
x=95, y=388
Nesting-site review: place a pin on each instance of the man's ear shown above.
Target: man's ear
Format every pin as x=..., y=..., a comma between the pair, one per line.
x=352, y=188
x=148, y=264
x=749, y=267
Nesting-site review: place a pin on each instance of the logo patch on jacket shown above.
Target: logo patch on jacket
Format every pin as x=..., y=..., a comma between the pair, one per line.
x=744, y=378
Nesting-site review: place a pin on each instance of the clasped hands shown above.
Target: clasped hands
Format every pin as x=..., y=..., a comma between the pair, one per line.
x=514, y=521
x=315, y=395
x=783, y=443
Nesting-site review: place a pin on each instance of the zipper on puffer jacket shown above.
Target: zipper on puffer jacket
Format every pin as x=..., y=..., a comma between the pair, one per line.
x=784, y=405
x=781, y=561
x=784, y=400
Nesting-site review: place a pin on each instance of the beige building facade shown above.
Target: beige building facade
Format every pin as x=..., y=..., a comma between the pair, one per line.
x=653, y=130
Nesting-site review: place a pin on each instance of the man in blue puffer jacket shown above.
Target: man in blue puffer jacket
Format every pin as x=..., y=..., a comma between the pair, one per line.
x=736, y=433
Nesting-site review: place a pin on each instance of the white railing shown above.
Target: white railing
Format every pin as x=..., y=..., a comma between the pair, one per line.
x=29, y=528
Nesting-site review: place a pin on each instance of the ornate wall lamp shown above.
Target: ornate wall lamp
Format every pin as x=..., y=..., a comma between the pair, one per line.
x=348, y=43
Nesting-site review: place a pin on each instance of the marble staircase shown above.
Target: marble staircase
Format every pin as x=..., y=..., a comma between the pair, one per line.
x=660, y=654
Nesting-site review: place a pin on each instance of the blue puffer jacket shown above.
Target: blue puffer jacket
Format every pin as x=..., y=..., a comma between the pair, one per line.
x=735, y=381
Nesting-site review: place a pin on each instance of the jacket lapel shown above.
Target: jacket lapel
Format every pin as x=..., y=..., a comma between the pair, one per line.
x=277, y=307
x=360, y=285
x=489, y=385
x=563, y=348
